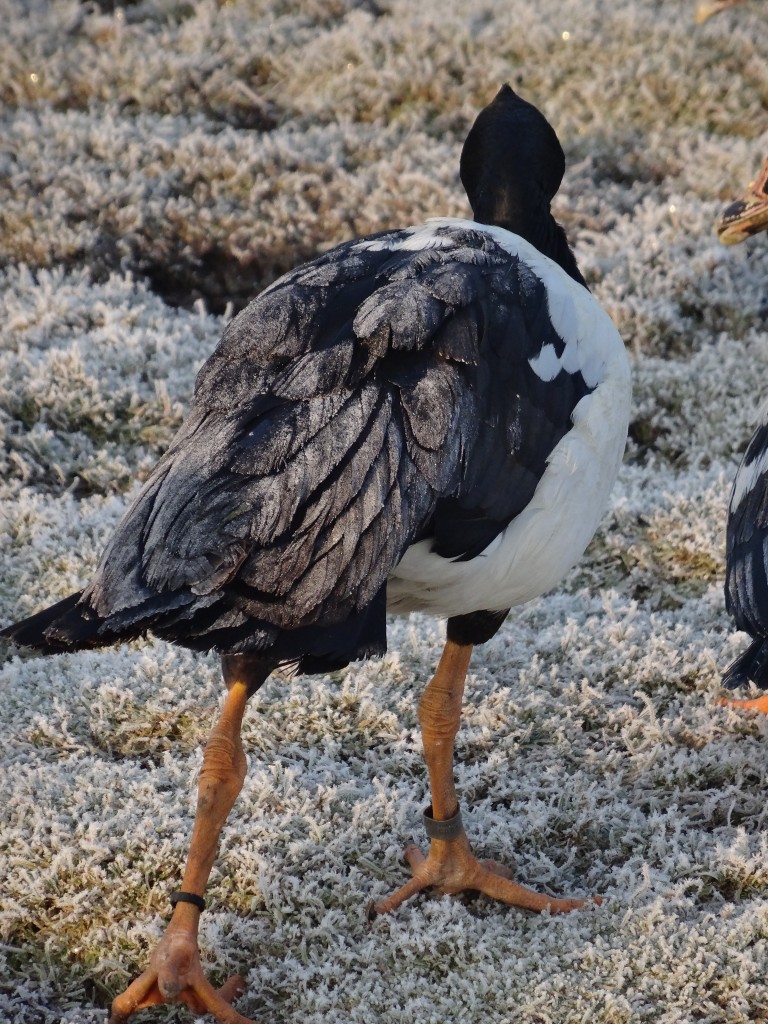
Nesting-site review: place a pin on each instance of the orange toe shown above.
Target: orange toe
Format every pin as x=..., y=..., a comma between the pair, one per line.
x=450, y=867
x=174, y=975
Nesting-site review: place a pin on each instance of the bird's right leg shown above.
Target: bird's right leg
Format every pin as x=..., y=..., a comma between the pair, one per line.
x=450, y=865
x=753, y=704
x=175, y=973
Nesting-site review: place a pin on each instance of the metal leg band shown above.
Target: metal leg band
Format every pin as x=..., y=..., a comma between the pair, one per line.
x=188, y=897
x=450, y=829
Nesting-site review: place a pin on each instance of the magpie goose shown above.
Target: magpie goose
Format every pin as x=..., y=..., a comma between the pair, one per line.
x=746, y=567
x=426, y=418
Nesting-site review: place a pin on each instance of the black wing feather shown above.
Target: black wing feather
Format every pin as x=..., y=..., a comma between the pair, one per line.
x=746, y=582
x=374, y=397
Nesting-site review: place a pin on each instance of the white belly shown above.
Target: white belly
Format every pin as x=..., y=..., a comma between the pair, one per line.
x=548, y=537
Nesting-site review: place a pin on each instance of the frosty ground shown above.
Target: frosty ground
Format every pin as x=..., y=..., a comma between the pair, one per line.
x=161, y=162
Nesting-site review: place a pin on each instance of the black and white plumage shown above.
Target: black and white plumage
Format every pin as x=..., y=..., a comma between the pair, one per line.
x=746, y=581
x=435, y=415
x=429, y=418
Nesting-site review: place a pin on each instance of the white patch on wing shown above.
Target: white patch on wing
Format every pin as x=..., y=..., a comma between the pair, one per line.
x=575, y=358
x=562, y=311
x=421, y=236
x=579, y=354
x=747, y=477
x=546, y=365
x=424, y=237
x=378, y=244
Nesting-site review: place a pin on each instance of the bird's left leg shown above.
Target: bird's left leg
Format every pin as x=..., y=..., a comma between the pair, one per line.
x=175, y=973
x=450, y=865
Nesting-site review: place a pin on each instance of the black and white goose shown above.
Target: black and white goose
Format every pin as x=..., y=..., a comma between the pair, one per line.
x=428, y=418
x=746, y=572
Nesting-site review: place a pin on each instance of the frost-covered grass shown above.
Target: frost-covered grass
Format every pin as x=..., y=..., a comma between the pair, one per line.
x=162, y=161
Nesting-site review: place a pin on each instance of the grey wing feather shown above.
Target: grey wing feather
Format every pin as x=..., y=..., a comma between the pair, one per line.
x=367, y=400
x=301, y=474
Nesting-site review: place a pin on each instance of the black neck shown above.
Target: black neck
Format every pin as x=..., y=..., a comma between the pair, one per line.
x=549, y=238
x=536, y=225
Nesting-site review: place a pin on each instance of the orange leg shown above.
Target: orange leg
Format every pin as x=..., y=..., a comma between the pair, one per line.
x=755, y=704
x=450, y=865
x=175, y=973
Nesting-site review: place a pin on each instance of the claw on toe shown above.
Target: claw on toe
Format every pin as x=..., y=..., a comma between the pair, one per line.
x=450, y=867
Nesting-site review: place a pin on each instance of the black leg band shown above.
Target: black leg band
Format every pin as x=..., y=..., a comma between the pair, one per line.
x=450, y=829
x=188, y=897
